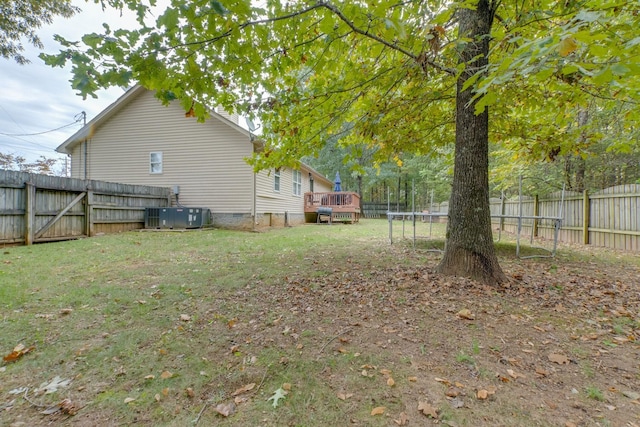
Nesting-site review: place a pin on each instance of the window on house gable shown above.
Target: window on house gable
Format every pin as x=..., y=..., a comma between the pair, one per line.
x=155, y=162
x=297, y=183
x=276, y=180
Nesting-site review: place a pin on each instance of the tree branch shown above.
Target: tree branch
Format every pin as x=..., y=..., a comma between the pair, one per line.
x=420, y=59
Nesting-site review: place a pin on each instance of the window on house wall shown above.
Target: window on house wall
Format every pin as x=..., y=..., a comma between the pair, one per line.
x=276, y=180
x=311, y=183
x=297, y=183
x=155, y=162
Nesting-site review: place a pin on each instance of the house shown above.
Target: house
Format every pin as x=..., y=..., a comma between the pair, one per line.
x=137, y=140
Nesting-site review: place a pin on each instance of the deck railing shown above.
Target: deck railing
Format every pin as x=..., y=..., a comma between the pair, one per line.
x=341, y=201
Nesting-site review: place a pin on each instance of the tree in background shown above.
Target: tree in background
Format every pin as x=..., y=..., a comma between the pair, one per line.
x=596, y=150
x=400, y=72
x=42, y=165
x=19, y=20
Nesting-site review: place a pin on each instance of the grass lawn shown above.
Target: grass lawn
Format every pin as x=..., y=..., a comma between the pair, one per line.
x=314, y=325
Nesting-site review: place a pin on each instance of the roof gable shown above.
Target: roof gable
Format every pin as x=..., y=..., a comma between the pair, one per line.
x=105, y=115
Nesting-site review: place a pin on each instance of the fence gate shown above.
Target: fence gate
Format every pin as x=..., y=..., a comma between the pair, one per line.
x=40, y=208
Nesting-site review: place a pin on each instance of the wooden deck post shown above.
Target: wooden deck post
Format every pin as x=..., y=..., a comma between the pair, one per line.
x=29, y=213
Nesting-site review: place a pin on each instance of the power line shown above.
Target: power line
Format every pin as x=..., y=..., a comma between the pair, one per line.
x=38, y=133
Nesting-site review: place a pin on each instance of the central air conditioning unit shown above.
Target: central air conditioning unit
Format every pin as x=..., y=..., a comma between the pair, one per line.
x=171, y=218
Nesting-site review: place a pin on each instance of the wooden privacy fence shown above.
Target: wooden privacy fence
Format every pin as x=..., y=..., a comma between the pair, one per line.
x=40, y=208
x=608, y=218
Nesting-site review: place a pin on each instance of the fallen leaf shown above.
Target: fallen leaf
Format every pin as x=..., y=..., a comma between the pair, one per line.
x=149, y=377
x=551, y=405
x=190, y=393
x=129, y=400
x=385, y=372
x=514, y=374
x=378, y=410
x=631, y=394
x=286, y=386
x=466, y=314
x=344, y=396
x=240, y=399
x=403, y=420
x=68, y=407
x=226, y=409
x=452, y=392
x=157, y=397
x=185, y=317
x=166, y=375
x=51, y=410
x=66, y=311
x=456, y=403
x=428, y=410
x=542, y=372
x=277, y=396
x=413, y=379
x=52, y=386
x=560, y=359
x=244, y=389
x=18, y=351
x=390, y=382
x=482, y=394
x=443, y=381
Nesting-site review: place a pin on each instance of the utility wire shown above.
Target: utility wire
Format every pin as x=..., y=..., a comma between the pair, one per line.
x=39, y=133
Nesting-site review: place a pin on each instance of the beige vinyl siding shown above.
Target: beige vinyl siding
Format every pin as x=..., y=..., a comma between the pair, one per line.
x=320, y=186
x=205, y=159
x=270, y=201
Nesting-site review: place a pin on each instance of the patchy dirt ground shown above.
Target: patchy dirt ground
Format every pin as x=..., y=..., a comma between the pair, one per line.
x=557, y=346
x=353, y=342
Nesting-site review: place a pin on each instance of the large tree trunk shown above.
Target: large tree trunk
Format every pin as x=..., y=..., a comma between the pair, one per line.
x=469, y=250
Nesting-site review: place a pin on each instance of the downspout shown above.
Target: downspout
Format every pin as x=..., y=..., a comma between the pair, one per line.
x=84, y=119
x=254, y=207
x=254, y=190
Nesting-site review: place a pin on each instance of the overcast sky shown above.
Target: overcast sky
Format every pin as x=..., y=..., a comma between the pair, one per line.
x=35, y=98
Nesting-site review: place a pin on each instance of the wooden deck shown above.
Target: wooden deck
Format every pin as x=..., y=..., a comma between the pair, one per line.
x=345, y=205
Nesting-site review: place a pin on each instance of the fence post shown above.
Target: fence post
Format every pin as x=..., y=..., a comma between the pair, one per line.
x=29, y=212
x=503, y=209
x=88, y=214
x=536, y=212
x=586, y=217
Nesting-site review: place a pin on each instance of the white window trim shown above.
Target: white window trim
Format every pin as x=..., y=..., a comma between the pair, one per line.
x=151, y=162
x=297, y=183
x=277, y=180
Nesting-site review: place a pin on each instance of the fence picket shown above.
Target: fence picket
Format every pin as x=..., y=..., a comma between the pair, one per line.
x=107, y=207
